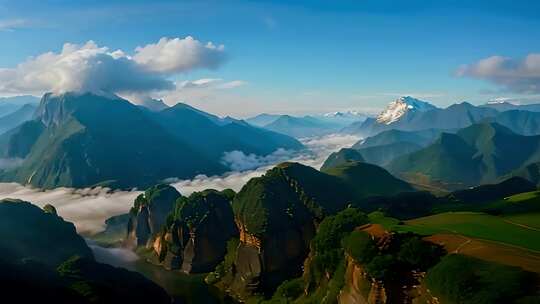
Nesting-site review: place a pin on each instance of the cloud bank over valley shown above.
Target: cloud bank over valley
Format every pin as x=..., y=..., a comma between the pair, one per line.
x=88, y=208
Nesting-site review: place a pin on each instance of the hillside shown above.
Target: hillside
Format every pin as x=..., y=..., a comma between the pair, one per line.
x=421, y=138
x=212, y=135
x=9, y=105
x=367, y=180
x=263, y=119
x=519, y=121
x=11, y=120
x=481, y=153
x=341, y=157
x=456, y=116
x=66, y=271
x=302, y=126
x=81, y=140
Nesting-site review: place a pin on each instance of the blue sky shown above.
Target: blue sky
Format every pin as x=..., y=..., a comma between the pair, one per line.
x=300, y=56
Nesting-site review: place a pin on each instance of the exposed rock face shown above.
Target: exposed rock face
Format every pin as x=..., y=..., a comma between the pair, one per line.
x=149, y=214
x=356, y=281
x=196, y=239
x=50, y=209
x=276, y=215
x=264, y=263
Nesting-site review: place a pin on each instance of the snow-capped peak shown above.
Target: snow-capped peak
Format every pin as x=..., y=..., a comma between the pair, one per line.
x=343, y=114
x=399, y=107
x=501, y=101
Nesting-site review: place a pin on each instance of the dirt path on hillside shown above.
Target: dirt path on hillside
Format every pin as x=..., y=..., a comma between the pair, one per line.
x=462, y=245
x=489, y=251
x=522, y=225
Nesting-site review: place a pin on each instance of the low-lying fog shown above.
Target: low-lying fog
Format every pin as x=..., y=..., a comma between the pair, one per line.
x=89, y=208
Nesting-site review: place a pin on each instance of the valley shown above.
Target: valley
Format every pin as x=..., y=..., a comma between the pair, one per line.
x=269, y=152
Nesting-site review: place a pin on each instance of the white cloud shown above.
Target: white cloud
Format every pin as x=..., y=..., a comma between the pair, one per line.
x=89, y=208
x=239, y=161
x=86, y=208
x=515, y=75
x=179, y=55
x=200, y=90
x=232, y=84
x=90, y=67
x=212, y=83
x=117, y=257
x=318, y=149
x=517, y=100
x=12, y=24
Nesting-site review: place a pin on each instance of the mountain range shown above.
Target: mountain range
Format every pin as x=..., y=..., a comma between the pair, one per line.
x=11, y=104
x=81, y=140
x=382, y=148
x=306, y=126
x=402, y=106
x=16, y=110
x=479, y=154
x=502, y=106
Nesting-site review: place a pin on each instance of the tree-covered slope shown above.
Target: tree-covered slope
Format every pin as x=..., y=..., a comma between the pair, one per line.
x=521, y=122
x=45, y=260
x=90, y=139
x=388, y=145
x=213, y=136
x=341, y=157
x=481, y=153
x=421, y=138
x=16, y=118
x=364, y=180
x=27, y=231
x=302, y=126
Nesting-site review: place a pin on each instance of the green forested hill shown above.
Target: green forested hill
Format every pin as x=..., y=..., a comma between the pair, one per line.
x=81, y=140
x=478, y=154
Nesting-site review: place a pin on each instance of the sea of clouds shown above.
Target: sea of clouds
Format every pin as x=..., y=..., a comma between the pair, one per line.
x=88, y=208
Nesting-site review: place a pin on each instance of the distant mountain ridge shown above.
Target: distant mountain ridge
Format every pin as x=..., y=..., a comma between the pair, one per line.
x=302, y=126
x=481, y=153
x=401, y=106
x=309, y=125
x=503, y=106
x=24, y=113
x=453, y=117
x=81, y=140
x=409, y=114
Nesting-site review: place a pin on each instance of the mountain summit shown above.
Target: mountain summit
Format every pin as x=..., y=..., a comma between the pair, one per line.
x=83, y=140
x=401, y=106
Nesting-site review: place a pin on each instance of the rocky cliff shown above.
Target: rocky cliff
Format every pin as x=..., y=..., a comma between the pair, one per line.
x=149, y=213
x=276, y=216
x=194, y=239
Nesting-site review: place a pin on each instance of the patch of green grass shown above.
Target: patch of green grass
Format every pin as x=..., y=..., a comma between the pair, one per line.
x=527, y=219
x=377, y=217
x=477, y=225
x=520, y=203
x=524, y=196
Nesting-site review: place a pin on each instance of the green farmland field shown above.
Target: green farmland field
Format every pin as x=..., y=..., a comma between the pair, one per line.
x=481, y=226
